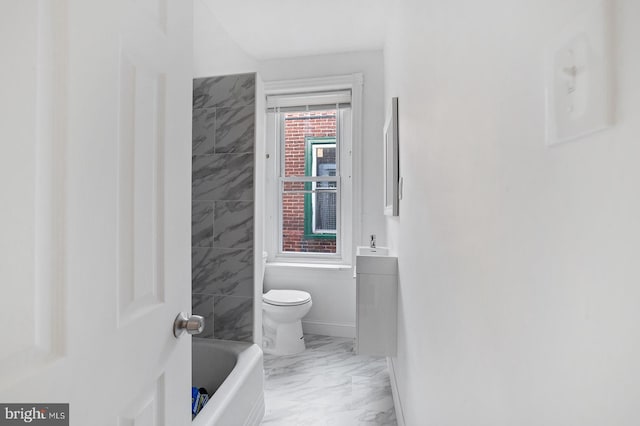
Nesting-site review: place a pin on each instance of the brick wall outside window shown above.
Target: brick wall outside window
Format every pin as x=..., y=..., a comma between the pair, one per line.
x=298, y=126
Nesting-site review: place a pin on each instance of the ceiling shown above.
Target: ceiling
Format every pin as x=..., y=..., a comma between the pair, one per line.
x=269, y=29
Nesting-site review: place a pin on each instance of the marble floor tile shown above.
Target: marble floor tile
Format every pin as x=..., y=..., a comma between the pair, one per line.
x=327, y=385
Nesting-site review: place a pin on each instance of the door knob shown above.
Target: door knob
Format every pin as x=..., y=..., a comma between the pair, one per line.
x=192, y=325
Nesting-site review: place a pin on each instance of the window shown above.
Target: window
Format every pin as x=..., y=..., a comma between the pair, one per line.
x=310, y=136
x=320, y=203
x=310, y=177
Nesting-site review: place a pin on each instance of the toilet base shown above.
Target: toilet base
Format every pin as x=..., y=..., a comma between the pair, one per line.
x=282, y=338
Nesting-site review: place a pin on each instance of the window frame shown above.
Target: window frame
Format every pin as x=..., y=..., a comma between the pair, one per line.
x=351, y=178
x=309, y=204
x=343, y=146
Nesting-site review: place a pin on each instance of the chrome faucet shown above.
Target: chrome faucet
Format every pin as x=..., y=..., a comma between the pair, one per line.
x=372, y=241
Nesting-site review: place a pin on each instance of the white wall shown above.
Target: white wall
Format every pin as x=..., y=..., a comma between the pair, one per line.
x=259, y=200
x=214, y=52
x=333, y=291
x=518, y=263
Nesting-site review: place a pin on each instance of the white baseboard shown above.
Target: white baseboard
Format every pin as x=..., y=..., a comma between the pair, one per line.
x=329, y=329
x=394, y=391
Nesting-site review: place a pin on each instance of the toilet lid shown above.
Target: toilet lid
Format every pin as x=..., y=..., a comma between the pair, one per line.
x=286, y=297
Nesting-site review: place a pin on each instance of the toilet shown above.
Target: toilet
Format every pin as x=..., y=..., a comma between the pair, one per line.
x=282, y=312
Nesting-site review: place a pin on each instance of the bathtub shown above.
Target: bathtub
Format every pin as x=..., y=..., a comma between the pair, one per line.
x=233, y=373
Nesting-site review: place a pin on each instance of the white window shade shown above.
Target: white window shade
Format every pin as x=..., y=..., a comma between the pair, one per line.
x=310, y=100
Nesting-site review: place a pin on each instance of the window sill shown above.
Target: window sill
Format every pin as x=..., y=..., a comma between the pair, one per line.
x=323, y=266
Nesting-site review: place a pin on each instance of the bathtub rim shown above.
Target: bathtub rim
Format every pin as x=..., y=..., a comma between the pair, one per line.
x=249, y=357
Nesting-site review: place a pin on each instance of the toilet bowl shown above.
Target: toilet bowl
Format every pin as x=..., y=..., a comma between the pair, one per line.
x=282, y=312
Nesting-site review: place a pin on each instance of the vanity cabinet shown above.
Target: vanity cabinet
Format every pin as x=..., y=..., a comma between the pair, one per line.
x=376, y=305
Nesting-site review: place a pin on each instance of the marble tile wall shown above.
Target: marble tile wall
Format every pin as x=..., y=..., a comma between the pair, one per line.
x=222, y=218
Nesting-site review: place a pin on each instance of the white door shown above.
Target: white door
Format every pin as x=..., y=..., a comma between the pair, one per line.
x=95, y=172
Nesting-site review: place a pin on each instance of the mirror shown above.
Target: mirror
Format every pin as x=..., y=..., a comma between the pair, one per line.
x=391, y=161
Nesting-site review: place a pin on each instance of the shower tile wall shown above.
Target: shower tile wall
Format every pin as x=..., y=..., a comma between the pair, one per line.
x=222, y=205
